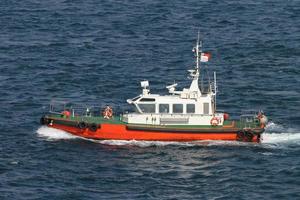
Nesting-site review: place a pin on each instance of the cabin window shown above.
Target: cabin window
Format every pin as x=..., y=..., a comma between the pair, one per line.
x=177, y=108
x=190, y=108
x=206, y=108
x=147, y=108
x=147, y=100
x=163, y=108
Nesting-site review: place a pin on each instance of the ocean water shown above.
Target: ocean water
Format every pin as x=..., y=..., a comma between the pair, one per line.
x=96, y=52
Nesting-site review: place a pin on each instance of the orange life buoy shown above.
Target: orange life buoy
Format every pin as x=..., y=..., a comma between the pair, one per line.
x=214, y=121
x=108, y=112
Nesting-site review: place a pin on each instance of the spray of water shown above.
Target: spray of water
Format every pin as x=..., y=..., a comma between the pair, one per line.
x=54, y=134
x=277, y=134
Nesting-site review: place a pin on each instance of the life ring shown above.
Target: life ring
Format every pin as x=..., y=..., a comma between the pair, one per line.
x=93, y=127
x=108, y=112
x=82, y=125
x=214, y=121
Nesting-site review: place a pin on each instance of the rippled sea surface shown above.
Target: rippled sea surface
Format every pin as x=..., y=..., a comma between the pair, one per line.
x=96, y=52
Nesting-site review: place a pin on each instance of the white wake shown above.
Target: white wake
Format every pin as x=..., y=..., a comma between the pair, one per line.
x=54, y=134
x=281, y=138
x=276, y=134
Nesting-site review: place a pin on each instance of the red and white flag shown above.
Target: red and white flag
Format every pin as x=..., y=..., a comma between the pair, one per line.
x=205, y=57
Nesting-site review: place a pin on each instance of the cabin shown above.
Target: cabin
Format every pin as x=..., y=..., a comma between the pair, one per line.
x=186, y=107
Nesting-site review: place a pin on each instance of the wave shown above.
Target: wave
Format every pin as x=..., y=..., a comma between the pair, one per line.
x=141, y=143
x=54, y=134
x=274, y=135
x=275, y=138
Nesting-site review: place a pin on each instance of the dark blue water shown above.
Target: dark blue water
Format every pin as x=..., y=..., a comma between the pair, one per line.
x=97, y=52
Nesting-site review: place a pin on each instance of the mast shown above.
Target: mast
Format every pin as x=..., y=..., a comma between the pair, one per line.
x=215, y=90
x=198, y=52
x=196, y=73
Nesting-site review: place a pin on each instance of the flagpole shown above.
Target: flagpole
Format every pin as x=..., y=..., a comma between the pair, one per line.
x=215, y=87
x=198, y=52
x=196, y=72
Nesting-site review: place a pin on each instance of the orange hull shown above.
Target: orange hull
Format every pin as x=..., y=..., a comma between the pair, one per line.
x=121, y=132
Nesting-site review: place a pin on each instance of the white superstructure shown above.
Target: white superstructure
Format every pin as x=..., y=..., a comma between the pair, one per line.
x=191, y=106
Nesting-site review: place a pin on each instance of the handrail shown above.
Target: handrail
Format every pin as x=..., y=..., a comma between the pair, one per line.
x=174, y=114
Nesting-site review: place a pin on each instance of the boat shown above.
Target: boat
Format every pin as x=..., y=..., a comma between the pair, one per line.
x=183, y=115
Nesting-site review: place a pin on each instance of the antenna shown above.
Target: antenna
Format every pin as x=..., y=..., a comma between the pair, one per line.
x=198, y=40
x=198, y=51
x=215, y=88
x=194, y=74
